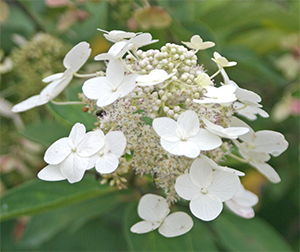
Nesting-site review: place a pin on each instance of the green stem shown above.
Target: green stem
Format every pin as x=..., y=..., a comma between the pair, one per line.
x=86, y=75
x=67, y=103
x=216, y=73
x=239, y=158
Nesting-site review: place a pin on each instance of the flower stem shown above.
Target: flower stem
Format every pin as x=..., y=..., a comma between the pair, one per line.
x=67, y=103
x=239, y=158
x=216, y=73
x=86, y=75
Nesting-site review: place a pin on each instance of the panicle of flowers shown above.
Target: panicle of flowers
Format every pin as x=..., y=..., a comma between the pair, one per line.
x=160, y=113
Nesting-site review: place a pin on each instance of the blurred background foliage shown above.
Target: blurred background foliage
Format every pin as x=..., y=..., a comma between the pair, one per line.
x=262, y=36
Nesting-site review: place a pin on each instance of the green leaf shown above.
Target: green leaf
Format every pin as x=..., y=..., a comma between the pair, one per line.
x=44, y=227
x=101, y=234
x=98, y=13
x=46, y=132
x=198, y=239
x=237, y=234
x=251, y=66
x=71, y=114
x=39, y=196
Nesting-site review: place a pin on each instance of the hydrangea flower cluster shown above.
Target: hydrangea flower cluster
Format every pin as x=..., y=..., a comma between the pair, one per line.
x=160, y=113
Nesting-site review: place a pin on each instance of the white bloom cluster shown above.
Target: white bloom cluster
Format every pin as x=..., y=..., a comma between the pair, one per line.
x=162, y=115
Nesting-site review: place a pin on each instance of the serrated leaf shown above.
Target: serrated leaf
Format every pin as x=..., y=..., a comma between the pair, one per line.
x=38, y=196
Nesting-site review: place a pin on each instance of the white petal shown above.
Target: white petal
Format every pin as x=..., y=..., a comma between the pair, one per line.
x=51, y=173
x=224, y=185
x=188, y=123
x=245, y=95
x=235, y=132
x=206, y=206
x=107, y=163
x=116, y=142
x=105, y=56
x=127, y=85
x=76, y=135
x=245, y=198
x=107, y=97
x=266, y=170
x=55, y=88
x=270, y=141
x=53, y=77
x=153, y=208
x=206, y=140
x=185, y=187
x=254, y=155
x=74, y=167
x=58, y=151
x=166, y=128
x=176, y=224
x=28, y=104
x=181, y=148
x=201, y=173
x=209, y=162
x=116, y=51
x=116, y=35
x=245, y=212
x=91, y=143
x=93, y=87
x=231, y=132
x=142, y=40
x=77, y=56
x=144, y=227
x=231, y=170
x=115, y=72
x=155, y=77
x=236, y=122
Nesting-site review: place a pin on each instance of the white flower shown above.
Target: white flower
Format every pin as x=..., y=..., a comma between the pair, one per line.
x=204, y=80
x=108, y=89
x=230, y=132
x=250, y=110
x=206, y=189
x=107, y=159
x=216, y=167
x=184, y=137
x=73, y=61
x=222, y=61
x=243, y=95
x=257, y=146
x=69, y=156
x=155, y=77
x=223, y=95
x=116, y=52
x=249, y=106
x=198, y=44
x=154, y=210
x=117, y=35
x=141, y=40
x=242, y=202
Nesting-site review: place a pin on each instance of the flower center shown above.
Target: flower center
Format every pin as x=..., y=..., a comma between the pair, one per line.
x=203, y=190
